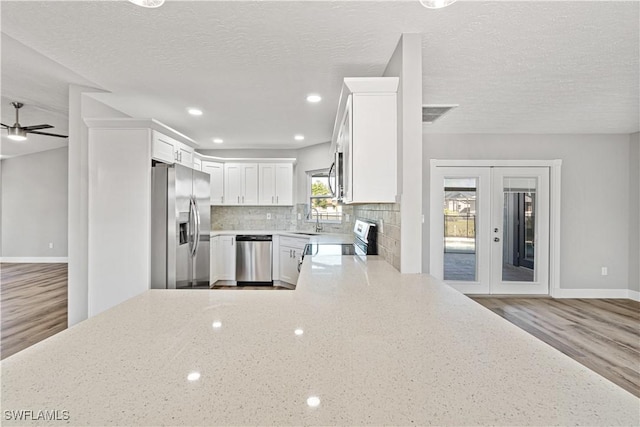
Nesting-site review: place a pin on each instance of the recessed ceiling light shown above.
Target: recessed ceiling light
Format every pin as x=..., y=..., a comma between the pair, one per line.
x=217, y=141
x=148, y=3
x=298, y=332
x=314, y=98
x=299, y=137
x=216, y=324
x=195, y=111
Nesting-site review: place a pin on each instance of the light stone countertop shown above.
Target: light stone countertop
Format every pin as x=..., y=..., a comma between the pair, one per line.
x=313, y=237
x=377, y=348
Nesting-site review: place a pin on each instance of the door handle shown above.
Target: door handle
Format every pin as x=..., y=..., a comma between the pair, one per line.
x=197, y=217
x=496, y=239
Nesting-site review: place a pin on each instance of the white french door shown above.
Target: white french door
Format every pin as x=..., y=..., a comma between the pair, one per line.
x=490, y=229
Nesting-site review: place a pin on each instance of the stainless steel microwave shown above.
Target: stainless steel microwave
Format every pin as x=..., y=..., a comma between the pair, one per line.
x=336, y=177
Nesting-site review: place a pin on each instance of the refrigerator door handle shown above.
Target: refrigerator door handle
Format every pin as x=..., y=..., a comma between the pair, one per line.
x=197, y=218
x=192, y=229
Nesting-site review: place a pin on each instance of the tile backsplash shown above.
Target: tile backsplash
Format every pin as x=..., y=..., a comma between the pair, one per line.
x=282, y=218
x=389, y=237
x=286, y=218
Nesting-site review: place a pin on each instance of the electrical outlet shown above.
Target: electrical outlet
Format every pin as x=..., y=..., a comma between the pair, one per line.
x=605, y=271
x=268, y=216
x=50, y=245
x=299, y=216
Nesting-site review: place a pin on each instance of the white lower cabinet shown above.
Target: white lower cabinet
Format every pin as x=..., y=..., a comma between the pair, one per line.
x=290, y=250
x=213, y=266
x=226, y=267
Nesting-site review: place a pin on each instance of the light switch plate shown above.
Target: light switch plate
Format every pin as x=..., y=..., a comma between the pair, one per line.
x=269, y=216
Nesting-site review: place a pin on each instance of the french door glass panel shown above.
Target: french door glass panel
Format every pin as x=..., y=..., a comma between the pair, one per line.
x=460, y=261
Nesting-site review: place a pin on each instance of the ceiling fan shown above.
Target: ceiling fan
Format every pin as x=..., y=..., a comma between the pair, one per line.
x=19, y=133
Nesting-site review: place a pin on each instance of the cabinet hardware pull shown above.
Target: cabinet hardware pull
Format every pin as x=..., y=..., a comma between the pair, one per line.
x=242, y=199
x=276, y=200
x=238, y=199
x=290, y=253
x=272, y=199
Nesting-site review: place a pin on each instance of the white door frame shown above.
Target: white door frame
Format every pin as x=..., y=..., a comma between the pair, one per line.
x=555, y=167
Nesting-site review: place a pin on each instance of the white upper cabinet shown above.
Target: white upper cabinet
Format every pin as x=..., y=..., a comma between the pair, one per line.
x=366, y=133
x=216, y=174
x=168, y=150
x=275, y=184
x=240, y=183
x=162, y=148
x=197, y=163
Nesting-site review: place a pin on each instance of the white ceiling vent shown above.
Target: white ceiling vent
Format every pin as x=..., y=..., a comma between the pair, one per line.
x=431, y=113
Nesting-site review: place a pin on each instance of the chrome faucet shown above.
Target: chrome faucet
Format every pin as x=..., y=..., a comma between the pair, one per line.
x=318, y=225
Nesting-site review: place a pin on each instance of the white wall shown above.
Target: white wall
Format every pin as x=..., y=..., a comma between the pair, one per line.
x=81, y=106
x=34, y=200
x=406, y=63
x=634, y=212
x=595, y=196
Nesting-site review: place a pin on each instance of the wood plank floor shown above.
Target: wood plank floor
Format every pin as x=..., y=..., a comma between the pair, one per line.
x=601, y=334
x=33, y=302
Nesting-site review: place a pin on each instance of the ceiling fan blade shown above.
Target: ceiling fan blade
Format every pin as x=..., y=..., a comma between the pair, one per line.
x=47, y=134
x=5, y=126
x=36, y=127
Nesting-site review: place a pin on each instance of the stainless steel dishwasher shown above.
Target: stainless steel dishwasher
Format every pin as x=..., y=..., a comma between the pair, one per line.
x=254, y=259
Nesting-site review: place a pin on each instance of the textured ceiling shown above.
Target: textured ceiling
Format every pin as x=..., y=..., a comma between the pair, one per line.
x=532, y=67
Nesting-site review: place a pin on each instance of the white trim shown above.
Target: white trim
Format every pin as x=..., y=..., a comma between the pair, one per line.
x=634, y=295
x=595, y=293
x=38, y=259
x=495, y=163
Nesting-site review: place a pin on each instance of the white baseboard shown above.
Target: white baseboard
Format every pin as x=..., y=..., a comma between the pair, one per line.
x=596, y=293
x=37, y=259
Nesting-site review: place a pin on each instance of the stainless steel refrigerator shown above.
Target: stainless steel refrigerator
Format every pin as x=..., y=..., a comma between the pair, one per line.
x=180, y=228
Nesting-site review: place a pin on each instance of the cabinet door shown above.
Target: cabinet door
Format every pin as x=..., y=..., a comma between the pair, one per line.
x=216, y=177
x=162, y=148
x=373, y=148
x=232, y=183
x=284, y=184
x=213, y=266
x=185, y=155
x=227, y=258
x=267, y=184
x=288, y=265
x=249, y=194
x=197, y=164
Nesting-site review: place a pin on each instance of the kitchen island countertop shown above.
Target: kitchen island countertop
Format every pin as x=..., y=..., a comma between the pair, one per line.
x=363, y=342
